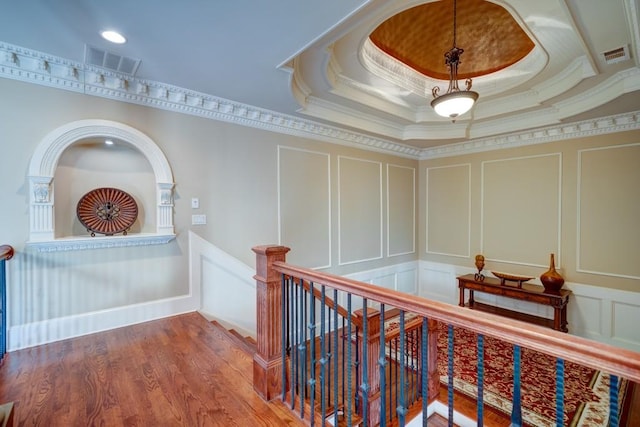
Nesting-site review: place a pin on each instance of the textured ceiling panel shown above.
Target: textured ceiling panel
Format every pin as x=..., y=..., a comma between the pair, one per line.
x=419, y=37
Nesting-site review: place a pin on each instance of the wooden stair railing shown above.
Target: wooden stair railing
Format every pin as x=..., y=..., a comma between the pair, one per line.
x=269, y=374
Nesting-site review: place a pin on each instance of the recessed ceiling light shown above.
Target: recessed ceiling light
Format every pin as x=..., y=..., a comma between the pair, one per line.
x=108, y=142
x=113, y=37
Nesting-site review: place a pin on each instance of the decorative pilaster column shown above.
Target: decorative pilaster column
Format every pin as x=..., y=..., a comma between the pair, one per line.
x=164, y=220
x=41, y=211
x=267, y=362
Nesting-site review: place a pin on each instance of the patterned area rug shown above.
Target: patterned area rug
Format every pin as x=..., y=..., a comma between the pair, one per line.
x=586, y=390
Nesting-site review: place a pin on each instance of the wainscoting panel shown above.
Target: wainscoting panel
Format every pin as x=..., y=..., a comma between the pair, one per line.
x=625, y=331
x=585, y=316
x=400, y=277
x=436, y=280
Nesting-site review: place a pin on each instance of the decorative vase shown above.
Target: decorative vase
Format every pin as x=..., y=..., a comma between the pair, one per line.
x=551, y=279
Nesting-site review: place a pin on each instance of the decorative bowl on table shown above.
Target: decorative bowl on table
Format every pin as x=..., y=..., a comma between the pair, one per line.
x=504, y=277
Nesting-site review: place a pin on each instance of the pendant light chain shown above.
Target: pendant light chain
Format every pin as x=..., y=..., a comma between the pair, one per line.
x=454, y=22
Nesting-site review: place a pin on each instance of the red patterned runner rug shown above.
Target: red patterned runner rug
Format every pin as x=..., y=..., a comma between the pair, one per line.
x=586, y=393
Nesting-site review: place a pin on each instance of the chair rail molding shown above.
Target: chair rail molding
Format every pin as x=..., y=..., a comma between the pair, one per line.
x=42, y=189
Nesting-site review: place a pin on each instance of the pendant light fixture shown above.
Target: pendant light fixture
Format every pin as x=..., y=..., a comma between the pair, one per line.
x=454, y=102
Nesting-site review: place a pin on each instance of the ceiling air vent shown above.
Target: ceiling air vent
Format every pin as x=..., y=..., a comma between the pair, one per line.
x=110, y=60
x=616, y=55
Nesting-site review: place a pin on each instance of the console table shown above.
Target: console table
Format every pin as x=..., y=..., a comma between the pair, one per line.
x=525, y=292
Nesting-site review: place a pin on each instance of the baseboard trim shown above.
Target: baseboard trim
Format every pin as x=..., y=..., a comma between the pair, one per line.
x=50, y=330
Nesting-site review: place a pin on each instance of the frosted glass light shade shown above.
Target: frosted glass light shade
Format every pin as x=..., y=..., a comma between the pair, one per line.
x=454, y=104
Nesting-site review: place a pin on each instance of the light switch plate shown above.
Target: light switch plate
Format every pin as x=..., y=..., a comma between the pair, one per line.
x=195, y=203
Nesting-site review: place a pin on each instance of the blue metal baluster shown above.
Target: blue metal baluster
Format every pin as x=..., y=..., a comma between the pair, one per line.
x=450, y=373
x=614, y=390
x=302, y=347
x=559, y=392
x=349, y=365
x=401, y=409
x=294, y=345
x=329, y=355
x=382, y=363
x=284, y=334
x=365, y=363
x=516, y=413
x=335, y=357
x=480, y=368
x=323, y=358
x=312, y=351
x=424, y=369
x=356, y=364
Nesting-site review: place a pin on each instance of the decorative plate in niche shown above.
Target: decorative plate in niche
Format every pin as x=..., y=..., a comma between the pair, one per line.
x=107, y=211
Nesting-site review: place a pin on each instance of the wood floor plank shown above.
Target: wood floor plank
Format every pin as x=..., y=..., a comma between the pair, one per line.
x=179, y=371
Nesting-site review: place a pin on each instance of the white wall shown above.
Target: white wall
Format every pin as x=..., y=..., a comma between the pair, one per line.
x=233, y=170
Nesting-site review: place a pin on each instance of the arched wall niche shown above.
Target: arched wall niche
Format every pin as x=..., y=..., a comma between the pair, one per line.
x=42, y=187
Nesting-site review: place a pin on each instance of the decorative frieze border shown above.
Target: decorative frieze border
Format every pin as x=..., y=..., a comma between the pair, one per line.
x=598, y=126
x=30, y=66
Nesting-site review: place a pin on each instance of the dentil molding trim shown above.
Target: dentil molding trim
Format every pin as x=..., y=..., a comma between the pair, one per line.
x=30, y=66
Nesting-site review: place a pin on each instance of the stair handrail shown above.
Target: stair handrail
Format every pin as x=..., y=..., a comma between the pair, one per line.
x=6, y=252
x=596, y=355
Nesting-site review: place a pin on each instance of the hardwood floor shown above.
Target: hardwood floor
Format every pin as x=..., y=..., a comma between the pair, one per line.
x=179, y=371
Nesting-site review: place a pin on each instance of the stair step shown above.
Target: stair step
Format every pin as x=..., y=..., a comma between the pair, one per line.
x=250, y=346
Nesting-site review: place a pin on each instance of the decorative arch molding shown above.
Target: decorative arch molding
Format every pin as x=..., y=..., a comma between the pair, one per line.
x=42, y=189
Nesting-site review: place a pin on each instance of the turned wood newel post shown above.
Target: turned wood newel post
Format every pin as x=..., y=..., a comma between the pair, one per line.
x=432, y=361
x=267, y=362
x=372, y=342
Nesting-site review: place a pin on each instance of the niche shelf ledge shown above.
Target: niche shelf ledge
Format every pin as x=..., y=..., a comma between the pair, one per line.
x=76, y=243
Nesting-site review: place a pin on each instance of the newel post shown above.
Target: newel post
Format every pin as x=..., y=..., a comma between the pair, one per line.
x=267, y=362
x=433, y=379
x=372, y=342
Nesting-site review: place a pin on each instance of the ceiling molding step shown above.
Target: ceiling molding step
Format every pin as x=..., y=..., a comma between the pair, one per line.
x=599, y=126
x=578, y=70
x=619, y=84
x=323, y=109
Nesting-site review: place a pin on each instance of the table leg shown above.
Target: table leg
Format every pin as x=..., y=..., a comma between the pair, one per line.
x=461, y=299
x=471, y=300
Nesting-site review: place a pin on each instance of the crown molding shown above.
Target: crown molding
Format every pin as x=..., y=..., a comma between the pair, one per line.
x=39, y=68
x=30, y=66
x=599, y=126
